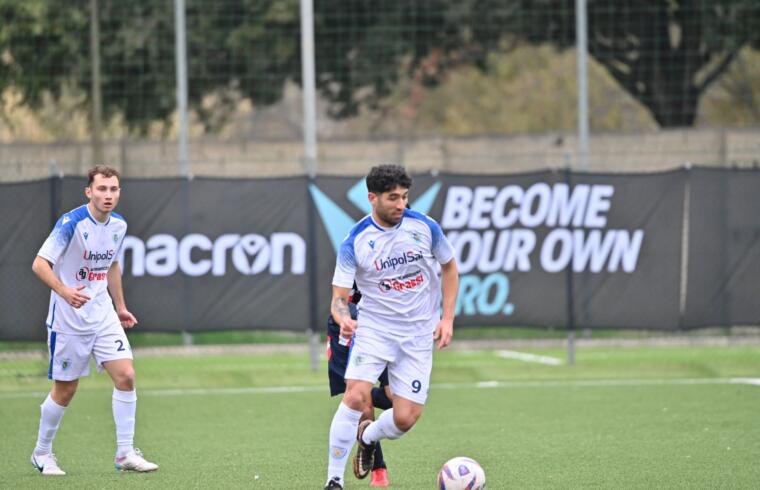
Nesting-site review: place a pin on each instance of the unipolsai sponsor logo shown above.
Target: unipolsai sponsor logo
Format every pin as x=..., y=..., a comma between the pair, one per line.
x=96, y=255
x=404, y=258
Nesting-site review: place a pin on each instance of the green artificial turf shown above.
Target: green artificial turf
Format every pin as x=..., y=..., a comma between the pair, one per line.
x=668, y=417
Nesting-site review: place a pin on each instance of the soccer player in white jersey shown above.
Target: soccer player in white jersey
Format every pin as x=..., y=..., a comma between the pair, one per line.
x=393, y=255
x=78, y=262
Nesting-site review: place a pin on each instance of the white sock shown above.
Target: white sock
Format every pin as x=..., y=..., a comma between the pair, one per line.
x=342, y=437
x=124, y=404
x=50, y=419
x=382, y=428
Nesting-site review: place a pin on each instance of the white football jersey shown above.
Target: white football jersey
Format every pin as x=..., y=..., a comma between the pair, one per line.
x=81, y=251
x=396, y=271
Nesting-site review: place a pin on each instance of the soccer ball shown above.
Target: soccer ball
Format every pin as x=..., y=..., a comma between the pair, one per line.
x=461, y=473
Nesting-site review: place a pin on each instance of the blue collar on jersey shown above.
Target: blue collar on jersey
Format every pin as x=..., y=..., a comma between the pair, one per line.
x=395, y=227
x=92, y=218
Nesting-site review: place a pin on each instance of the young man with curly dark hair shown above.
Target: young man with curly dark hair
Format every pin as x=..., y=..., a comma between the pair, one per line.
x=394, y=255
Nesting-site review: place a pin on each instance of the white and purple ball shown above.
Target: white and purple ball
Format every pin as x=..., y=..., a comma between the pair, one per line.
x=461, y=473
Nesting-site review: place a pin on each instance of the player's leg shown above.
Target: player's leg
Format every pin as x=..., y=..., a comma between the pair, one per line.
x=343, y=427
x=337, y=360
x=381, y=398
x=51, y=414
x=114, y=355
x=409, y=381
x=69, y=359
x=366, y=362
x=394, y=423
x=372, y=352
x=379, y=469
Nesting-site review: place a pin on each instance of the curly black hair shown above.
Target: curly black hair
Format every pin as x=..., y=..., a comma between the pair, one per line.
x=383, y=178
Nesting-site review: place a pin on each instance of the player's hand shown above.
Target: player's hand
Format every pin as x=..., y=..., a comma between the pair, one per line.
x=347, y=328
x=74, y=296
x=127, y=319
x=444, y=332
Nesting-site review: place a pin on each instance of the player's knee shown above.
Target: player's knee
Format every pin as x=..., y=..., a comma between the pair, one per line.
x=124, y=380
x=356, y=399
x=65, y=396
x=406, y=420
x=63, y=393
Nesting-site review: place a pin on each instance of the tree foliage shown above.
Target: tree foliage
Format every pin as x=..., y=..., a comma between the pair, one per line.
x=665, y=53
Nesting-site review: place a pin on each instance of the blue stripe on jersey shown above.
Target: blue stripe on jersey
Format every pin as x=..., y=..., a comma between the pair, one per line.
x=118, y=216
x=346, y=254
x=84, y=213
x=350, y=351
x=52, y=318
x=435, y=229
x=379, y=227
x=64, y=227
x=52, y=354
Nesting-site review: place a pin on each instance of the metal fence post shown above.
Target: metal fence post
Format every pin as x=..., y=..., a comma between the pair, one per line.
x=310, y=160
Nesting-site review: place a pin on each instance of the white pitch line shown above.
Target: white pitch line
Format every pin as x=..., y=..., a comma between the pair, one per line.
x=588, y=383
x=527, y=357
x=262, y=390
x=745, y=381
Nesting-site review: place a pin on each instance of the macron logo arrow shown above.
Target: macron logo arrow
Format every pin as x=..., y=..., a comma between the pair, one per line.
x=338, y=222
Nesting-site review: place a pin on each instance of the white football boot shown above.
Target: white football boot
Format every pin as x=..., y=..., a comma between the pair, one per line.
x=47, y=464
x=134, y=461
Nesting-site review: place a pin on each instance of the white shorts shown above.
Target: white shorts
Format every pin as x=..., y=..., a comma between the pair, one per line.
x=409, y=361
x=70, y=354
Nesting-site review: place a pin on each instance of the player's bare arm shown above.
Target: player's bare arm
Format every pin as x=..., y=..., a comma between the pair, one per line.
x=341, y=313
x=73, y=296
x=127, y=319
x=444, y=332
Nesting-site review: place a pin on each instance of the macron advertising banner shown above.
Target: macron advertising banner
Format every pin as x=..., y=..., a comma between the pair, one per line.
x=556, y=249
x=210, y=254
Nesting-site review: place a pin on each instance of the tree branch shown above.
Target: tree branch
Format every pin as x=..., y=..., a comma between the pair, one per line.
x=719, y=69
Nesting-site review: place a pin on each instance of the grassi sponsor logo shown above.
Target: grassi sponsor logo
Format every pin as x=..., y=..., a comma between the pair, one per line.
x=392, y=262
x=408, y=281
x=90, y=255
x=87, y=274
x=197, y=255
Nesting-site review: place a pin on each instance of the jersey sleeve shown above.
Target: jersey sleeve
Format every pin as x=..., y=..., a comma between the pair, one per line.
x=121, y=243
x=345, y=265
x=58, y=240
x=441, y=246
